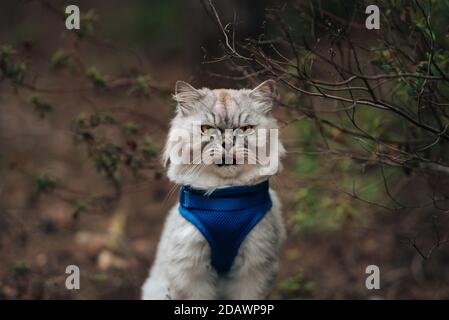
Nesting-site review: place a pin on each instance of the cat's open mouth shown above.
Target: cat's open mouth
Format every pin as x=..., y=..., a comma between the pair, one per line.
x=227, y=164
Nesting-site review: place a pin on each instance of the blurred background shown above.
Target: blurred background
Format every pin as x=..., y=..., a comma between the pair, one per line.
x=84, y=115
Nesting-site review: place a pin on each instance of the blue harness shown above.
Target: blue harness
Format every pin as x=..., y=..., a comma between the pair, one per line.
x=225, y=217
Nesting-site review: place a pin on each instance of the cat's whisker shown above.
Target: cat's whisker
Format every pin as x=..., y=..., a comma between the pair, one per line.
x=194, y=171
x=171, y=192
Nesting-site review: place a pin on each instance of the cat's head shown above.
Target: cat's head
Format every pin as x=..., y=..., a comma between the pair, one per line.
x=223, y=137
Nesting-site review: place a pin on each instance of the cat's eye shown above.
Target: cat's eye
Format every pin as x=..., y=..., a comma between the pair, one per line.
x=206, y=128
x=245, y=129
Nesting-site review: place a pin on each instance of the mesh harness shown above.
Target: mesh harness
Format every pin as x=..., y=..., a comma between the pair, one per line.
x=225, y=217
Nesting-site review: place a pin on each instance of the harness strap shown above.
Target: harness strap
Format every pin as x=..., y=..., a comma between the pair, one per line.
x=225, y=217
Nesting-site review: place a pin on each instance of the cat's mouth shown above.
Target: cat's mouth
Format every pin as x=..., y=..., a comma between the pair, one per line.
x=226, y=164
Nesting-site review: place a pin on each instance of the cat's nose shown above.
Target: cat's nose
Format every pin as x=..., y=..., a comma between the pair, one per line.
x=227, y=146
x=228, y=140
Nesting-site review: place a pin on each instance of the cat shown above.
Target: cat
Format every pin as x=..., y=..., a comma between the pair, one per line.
x=183, y=268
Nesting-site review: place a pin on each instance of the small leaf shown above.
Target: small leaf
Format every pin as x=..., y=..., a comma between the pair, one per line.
x=150, y=150
x=40, y=106
x=97, y=79
x=59, y=59
x=140, y=86
x=21, y=268
x=44, y=183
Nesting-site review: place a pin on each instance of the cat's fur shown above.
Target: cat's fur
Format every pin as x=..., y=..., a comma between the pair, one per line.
x=182, y=267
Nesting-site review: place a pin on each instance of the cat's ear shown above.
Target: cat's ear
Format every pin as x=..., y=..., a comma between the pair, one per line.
x=186, y=96
x=265, y=94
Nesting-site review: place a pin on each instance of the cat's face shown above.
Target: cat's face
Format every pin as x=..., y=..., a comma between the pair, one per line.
x=216, y=140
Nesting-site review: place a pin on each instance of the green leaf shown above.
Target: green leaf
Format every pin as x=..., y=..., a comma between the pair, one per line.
x=106, y=158
x=59, y=59
x=21, y=268
x=150, y=150
x=41, y=106
x=44, y=183
x=131, y=128
x=97, y=79
x=140, y=86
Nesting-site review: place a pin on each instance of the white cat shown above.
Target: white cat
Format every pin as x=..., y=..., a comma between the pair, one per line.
x=182, y=268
